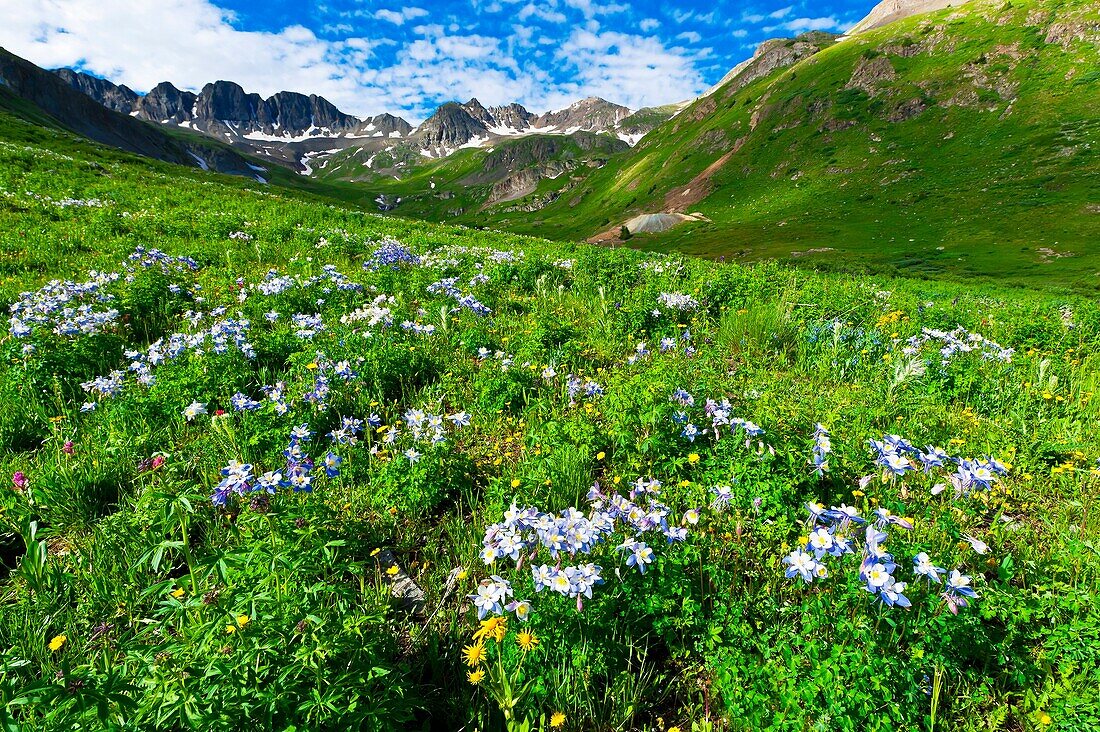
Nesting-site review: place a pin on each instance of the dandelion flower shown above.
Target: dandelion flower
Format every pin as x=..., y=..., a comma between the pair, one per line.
x=178, y=593
x=557, y=719
x=526, y=640
x=243, y=620
x=392, y=571
x=475, y=677
x=57, y=642
x=230, y=629
x=474, y=654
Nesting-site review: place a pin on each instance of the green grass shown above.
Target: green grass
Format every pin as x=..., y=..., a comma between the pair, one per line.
x=129, y=601
x=966, y=192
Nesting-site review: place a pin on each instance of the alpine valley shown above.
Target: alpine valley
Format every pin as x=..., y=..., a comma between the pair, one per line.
x=937, y=137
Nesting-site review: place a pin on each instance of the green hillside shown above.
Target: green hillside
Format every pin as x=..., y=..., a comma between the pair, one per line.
x=465, y=183
x=962, y=143
x=255, y=442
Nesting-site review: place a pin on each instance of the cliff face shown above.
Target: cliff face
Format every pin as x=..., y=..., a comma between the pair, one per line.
x=890, y=11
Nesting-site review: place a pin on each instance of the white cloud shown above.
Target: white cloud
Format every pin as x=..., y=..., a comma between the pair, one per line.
x=193, y=42
x=649, y=24
x=623, y=68
x=801, y=25
x=543, y=13
x=398, y=17
x=689, y=37
x=591, y=8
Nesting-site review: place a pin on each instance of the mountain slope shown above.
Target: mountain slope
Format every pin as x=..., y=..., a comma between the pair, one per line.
x=965, y=140
x=520, y=173
x=22, y=84
x=286, y=127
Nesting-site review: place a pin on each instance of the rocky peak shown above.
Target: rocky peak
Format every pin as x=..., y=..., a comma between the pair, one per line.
x=227, y=101
x=476, y=110
x=119, y=98
x=890, y=11
x=166, y=103
x=451, y=126
x=383, y=125
x=512, y=116
x=591, y=115
x=770, y=56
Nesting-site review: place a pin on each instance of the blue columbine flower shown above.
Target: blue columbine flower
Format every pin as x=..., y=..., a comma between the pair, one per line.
x=923, y=566
x=801, y=564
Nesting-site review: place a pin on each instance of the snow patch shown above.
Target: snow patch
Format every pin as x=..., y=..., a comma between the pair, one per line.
x=202, y=163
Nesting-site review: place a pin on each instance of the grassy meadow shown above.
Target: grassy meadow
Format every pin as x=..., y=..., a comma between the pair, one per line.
x=272, y=461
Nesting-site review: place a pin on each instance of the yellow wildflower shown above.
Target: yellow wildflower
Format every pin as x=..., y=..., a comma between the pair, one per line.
x=178, y=593
x=243, y=620
x=57, y=642
x=526, y=640
x=392, y=571
x=475, y=677
x=557, y=719
x=474, y=654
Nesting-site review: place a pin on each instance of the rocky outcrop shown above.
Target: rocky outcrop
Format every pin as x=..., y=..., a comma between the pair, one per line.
x=449, y=128
x=166, y=104
x=517, y=185
x=771, y=56
x=590, y=115
x=119, y=98
x=891, y=11
x=870, y=73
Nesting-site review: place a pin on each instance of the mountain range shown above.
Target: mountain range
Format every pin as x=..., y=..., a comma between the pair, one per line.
x=295, y=129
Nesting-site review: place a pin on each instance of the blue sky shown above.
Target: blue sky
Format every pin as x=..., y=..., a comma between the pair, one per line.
x=369, y=56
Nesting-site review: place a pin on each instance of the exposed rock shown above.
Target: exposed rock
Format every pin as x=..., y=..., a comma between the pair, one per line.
x=907, y=110
x=870, y=73
x=226, y=101
x=405, y=591
x=119, y=98
x=512, y=116
x=768, y=58
x=86, y=116
x=515, y=186
x=383, y=125
x=591, y=114
x=890, y=11
x=1067, y=32
x=451, y=126
x=166, y=103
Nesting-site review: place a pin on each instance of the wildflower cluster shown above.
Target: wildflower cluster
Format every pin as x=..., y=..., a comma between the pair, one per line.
x=677, y=301
x=667, y=344
x=527, y=533
x=390, y=254
x=897, y=457
x=956, y=342
x=719, y=413
x=577, y=387
x=829, y=537
x=449, y=286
